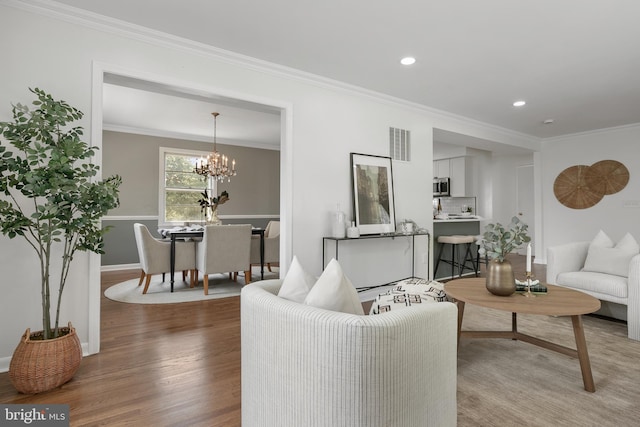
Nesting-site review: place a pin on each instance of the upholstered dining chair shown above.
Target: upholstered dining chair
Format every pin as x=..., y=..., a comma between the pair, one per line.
x=223, y=249
x=271, y=248
x=155, y=256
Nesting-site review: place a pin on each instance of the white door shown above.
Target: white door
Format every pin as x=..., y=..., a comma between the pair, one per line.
x=525, y=201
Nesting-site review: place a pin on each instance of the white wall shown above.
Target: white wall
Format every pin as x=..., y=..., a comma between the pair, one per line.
x=327, y=123
x=504, y=182
x=562, y=224
x=444, y=150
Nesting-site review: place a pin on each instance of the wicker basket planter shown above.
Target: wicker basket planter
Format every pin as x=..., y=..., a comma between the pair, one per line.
x=40, y=365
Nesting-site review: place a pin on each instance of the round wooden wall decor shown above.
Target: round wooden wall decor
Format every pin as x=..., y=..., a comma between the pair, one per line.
x=571, y=188
x=607, y=177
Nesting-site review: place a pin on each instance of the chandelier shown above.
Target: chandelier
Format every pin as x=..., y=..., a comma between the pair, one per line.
x=216, y=165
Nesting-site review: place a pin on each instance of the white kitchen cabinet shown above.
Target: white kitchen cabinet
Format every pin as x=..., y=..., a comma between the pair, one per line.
x=460, y=170
x=441, y=168
x=457, y=175
x=461, y=174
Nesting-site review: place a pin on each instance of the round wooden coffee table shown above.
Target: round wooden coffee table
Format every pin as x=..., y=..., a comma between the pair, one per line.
x=558, y=301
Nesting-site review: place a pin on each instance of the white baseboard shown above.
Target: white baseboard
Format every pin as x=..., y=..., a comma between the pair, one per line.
x=117, y=267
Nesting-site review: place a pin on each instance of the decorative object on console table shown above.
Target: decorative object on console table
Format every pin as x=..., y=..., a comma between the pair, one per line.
x=338, y=225
x=498, y=241
x=353, y=232
x=408, y=226
x=48, y=174
x=209, y=206
x=373, y=200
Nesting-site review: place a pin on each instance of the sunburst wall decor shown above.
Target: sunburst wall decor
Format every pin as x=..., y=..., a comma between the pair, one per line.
x=582, y=186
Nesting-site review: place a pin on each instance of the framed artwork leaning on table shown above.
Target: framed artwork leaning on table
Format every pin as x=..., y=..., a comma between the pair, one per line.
x=373, y=202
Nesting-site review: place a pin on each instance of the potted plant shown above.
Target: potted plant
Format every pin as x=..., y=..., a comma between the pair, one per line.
x=209, y=206
x=49, y=197
x=497, y=242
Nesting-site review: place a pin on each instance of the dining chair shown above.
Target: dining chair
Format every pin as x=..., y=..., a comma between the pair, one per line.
x=271, y=248
x=272, y=254
x=223, y=249
x=155, y=256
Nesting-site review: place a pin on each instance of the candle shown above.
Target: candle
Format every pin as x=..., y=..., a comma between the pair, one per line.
x=528, y=269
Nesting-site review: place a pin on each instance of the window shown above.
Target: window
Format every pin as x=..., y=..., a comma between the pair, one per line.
x=180, y=188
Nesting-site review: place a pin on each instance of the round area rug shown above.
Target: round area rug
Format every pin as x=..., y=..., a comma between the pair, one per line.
x=159, y=292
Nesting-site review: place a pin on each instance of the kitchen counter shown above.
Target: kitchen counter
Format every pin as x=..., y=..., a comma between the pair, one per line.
x=471, y=218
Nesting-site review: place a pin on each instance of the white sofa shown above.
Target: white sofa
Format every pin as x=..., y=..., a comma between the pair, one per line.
x=304, y=366
x=564, y=268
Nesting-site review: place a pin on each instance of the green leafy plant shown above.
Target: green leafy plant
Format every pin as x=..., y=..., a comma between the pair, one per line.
x=499, y=241
x=48, y=194
x=212, y=202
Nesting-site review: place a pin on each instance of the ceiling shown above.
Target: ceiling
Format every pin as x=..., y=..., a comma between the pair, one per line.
x=135, y=106
x=576, y=62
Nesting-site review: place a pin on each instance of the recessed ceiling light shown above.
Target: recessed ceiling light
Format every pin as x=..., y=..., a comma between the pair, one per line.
x=548, y=121
x=408, y=60
x=519, y=103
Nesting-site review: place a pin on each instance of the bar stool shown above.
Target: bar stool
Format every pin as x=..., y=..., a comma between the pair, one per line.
x=455, y=241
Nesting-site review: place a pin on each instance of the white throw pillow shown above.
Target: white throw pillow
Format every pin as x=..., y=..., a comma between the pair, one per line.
x=297, y=283
x=603, y=257
x=334, y=291
x=602, y=240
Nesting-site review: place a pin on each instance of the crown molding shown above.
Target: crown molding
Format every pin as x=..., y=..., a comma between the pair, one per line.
x=633, y=126
x=158, y=38
x=186, y=137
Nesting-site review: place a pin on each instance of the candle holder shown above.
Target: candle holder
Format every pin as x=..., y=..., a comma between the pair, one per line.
x=529, y=276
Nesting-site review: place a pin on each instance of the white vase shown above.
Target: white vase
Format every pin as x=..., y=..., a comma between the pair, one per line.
x=338, y=226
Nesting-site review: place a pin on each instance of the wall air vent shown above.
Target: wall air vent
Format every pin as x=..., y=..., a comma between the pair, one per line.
x=400, y=144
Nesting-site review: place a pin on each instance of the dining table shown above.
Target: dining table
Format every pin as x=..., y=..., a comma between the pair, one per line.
x=197, y=234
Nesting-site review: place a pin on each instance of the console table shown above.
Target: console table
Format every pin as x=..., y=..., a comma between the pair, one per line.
x=358, y=240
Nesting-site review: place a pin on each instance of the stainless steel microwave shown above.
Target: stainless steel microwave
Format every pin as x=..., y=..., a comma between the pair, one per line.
x=441, y=187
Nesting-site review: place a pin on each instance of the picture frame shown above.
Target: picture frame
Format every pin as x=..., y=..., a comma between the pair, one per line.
x=373, y=198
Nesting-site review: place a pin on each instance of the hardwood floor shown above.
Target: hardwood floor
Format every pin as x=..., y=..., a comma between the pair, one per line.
x=160, y=365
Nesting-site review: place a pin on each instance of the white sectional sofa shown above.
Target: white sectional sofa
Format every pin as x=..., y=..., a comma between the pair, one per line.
x=605, y=276
x=308, y=366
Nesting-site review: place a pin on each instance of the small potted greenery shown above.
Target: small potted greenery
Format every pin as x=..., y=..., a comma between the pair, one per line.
x=49, y=197
x=497, y=242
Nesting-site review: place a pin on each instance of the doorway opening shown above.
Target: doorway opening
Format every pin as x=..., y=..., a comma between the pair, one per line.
x=185, y=93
